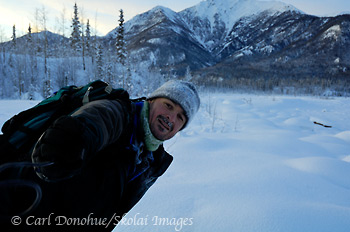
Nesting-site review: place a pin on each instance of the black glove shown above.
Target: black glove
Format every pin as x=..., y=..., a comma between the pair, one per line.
x=62, y=145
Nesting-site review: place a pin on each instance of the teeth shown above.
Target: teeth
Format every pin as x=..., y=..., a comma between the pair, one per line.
x=165, y=120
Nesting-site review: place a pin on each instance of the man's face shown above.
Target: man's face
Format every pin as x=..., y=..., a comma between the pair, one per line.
x=166, y=118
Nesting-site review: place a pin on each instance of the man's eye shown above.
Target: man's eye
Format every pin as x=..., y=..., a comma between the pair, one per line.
x=168, y=105
x=181, y=117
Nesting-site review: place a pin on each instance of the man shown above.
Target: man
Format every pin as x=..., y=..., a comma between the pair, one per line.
x=101, y=160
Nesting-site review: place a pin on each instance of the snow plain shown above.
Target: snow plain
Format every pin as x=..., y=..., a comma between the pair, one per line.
x=250, y=163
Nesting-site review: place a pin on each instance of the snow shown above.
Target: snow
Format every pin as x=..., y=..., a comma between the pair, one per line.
x=10, y=107
x=231, y=11
x=145, y=19
x=168, y=12
x=332, y=32
x=254, y=163
x=246, y=51
x=156, y=41
x=250, y=163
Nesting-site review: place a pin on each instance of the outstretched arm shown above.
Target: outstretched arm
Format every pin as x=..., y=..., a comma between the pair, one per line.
x=104, y=122
x=71, y=140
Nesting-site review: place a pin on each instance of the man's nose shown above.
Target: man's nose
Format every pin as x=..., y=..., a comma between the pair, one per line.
x=170, y=117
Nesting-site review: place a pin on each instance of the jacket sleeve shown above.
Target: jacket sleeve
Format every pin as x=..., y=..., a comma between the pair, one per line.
x=104, y=121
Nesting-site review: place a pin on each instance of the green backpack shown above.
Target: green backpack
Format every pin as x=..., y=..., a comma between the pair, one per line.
x=21, y=132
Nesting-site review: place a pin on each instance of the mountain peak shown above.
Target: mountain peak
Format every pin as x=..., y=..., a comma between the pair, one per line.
x=232, y=10
x=160, y=8
x=165, y=11
x=217, y=17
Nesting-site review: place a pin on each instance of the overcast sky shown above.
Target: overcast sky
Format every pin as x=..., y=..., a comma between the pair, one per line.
x=104, y=14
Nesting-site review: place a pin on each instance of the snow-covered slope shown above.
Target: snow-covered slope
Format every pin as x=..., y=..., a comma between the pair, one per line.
x=217, y=17
x=162, y=35
x=214, y=34
x=229, y=11
x=147, y=19
x=209, y=22
x=254, y=164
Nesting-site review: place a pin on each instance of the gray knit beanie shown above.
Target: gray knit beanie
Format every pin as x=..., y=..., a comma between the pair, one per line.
x=181, y=92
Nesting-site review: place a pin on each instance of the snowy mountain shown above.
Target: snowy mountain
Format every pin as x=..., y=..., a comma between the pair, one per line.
x=289, y=44
x=55, y=42
x=162, y=38
x=212, y=20
x=245, y=45
x=224, y=38
x=229, y=41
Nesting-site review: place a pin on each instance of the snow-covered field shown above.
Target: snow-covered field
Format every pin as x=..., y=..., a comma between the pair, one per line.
x=250, y=163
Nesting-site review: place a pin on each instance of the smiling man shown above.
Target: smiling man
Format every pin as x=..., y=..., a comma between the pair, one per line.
x=107, y=154
x=172, y=106
x=166, y=118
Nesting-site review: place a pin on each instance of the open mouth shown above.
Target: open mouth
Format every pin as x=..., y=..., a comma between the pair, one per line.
x=165, y=123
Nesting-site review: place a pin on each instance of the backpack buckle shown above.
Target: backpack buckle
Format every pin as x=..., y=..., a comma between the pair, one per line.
x=86, y=95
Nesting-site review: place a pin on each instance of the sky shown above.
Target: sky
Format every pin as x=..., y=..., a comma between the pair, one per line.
x=104, y=14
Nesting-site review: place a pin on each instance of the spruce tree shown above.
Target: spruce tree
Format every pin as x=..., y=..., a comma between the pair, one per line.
x=29, y=38
x=75, y=38
x=32, y=65
x=13, y=36
x=99, y=62
x=120, y=41
x=83, y=48
x=88, y=37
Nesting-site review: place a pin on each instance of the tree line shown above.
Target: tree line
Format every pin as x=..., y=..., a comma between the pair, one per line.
x=38, y=63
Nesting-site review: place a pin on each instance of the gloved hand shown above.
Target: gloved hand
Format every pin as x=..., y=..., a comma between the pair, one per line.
x=62, y=143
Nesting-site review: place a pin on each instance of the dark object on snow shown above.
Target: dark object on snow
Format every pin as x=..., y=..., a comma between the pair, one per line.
x=317, y=123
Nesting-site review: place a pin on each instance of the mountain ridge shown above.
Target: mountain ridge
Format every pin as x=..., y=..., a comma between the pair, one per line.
x=260, y=31
x=264, y=39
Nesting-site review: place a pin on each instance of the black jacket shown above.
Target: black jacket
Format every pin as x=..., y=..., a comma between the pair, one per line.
x=103, y=191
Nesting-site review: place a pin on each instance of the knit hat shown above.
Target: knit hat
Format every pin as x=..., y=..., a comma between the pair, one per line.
x=181, y=92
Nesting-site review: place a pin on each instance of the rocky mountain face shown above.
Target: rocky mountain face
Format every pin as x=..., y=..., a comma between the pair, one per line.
x=162, y=38
x=234, y=38
x=290, y=45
